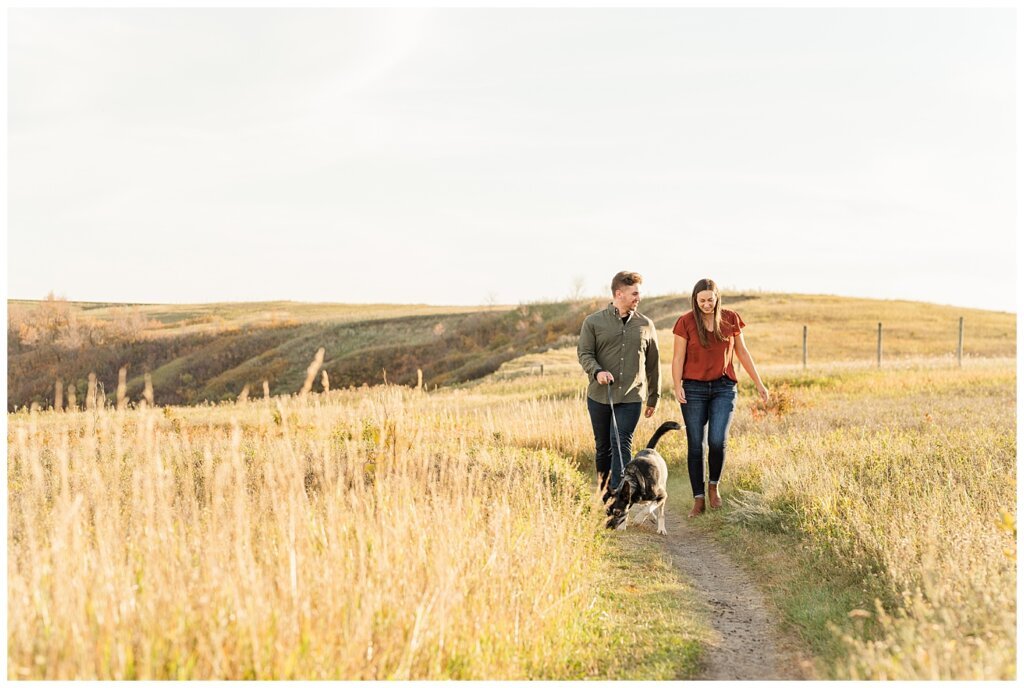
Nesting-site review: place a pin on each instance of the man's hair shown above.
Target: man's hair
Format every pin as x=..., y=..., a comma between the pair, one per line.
x=625, y=279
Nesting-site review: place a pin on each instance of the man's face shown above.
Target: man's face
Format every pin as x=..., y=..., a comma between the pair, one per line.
x=627, y=298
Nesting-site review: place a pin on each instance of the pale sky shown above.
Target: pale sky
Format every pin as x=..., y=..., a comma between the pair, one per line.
x=469, y=155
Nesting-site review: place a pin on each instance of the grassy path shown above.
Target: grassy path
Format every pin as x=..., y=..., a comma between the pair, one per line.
x=685, y=607
x=872, y=516
x=736, y=634
x=745, y=642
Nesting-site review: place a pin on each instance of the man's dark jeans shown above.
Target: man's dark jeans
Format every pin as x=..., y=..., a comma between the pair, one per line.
x=710, y=405
x=626, y=416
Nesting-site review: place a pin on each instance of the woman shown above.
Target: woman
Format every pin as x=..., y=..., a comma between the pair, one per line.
x=705, y=383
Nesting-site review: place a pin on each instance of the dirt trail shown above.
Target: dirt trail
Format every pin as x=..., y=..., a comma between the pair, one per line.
x=746, y=642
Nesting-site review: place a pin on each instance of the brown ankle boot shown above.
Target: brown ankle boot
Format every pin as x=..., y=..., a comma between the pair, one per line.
x=714, y=499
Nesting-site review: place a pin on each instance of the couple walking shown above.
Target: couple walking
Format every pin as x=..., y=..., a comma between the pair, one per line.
x=618, y=349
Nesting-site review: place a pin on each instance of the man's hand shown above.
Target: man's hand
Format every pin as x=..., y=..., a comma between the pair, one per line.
x=648, y=412
x=604, y=378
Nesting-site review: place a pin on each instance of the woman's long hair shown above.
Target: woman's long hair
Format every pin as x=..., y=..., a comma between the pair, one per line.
x=707, y=284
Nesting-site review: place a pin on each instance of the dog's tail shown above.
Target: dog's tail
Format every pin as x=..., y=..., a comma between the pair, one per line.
x=665, y=427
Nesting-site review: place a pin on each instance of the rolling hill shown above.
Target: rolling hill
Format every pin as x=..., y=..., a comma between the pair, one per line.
x=210, y=352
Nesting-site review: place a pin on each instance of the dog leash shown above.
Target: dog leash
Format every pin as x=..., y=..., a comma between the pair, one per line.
x=615, y=427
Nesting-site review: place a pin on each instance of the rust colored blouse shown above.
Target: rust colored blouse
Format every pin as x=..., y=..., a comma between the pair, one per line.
x=713, y=362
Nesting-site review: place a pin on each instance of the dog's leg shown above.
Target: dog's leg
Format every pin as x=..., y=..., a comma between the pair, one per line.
x=649, y=511
x=645, y=513
x=661, y=518
x=632, y=515
x=639, y=513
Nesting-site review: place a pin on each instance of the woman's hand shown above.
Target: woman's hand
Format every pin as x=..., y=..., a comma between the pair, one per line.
x=762, y=392
x=604, y=378
x=680, y=394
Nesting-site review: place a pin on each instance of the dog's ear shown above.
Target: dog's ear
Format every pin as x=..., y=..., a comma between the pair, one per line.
x=641, y=485
x=625, y=490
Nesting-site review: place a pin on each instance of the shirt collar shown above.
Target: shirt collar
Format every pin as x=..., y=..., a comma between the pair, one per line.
x=615, y=311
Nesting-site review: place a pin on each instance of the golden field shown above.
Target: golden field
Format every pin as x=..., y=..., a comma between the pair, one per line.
x=387, y=532
x=904, y=480
x=379, y=534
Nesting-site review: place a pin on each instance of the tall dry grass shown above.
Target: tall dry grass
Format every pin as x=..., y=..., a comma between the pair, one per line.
x=904, y=477
x=907, y=478
x=389, y=533
x=364, y=534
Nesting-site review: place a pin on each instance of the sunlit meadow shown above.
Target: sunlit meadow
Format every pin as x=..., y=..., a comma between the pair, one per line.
x=389, y=532
x=380, y=533
x=905, y=478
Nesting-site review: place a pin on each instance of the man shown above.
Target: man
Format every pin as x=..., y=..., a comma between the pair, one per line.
x=618, y=349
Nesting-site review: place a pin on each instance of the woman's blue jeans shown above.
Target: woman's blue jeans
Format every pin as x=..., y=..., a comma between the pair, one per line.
x=608, y=463
x=709, y=405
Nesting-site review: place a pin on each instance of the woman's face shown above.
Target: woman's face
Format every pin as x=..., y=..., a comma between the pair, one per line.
x=706, y=301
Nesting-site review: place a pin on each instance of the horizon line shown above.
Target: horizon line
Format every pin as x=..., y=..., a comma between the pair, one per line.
x=564, y=299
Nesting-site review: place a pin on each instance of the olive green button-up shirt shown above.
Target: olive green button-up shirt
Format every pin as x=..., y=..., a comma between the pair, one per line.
x=628, y=351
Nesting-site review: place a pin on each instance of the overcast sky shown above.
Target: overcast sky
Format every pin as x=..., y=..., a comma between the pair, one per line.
x=469, y=155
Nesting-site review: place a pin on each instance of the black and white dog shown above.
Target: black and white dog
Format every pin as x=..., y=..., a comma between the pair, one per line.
x=644, y=481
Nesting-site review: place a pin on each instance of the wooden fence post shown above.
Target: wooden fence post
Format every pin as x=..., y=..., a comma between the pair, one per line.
x=541, y=368
x=805, y=347
x=879, y=345
x=960, y=344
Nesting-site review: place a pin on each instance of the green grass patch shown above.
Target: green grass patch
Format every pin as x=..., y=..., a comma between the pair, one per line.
x=813, y=592
x=645, y=624
x=648, y=624
x=810, y=590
